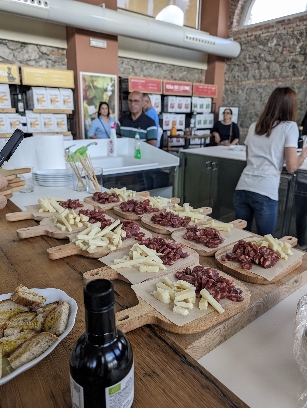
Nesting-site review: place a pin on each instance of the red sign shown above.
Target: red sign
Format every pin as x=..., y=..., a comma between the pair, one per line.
x=205, y=90
x=177, y=88
x=147, y=85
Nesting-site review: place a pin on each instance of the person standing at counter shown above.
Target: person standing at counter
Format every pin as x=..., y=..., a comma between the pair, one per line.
x=101, y=126
x=151, y=112
x=225, y=131
x=269, y=141
x=136, y=121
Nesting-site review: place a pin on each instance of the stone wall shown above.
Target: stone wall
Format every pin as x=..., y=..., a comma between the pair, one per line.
x=127, y=66
x=19, y=53
x=272, y=55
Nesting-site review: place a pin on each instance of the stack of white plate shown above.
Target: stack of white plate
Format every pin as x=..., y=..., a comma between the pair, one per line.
x=53, y=178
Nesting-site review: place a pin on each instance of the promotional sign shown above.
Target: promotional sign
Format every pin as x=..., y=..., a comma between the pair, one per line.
x=177, y=88
x=96, y=88
x=9, y=74
x=58, y=78
x=205, y=90
x=145, y=85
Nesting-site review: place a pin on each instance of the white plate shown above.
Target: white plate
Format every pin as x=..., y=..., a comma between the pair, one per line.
x=51, y=172
x=51, y=295
x=53, y=183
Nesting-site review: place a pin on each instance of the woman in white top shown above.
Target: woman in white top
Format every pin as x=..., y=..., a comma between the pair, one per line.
x=270, y=141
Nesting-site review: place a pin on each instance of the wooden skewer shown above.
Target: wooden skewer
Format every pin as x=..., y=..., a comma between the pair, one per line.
x=88, y=167
x=76, y=170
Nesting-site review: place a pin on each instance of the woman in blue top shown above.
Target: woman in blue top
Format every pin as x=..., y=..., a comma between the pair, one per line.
x=101, y=127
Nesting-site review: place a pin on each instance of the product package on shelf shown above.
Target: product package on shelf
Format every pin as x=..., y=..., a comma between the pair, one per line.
x=60, y=122
x=13, y=122
x=47, y=122
x=3, y=123
x=67, y=99
x=166, y=121
x=33, y=121
x=178, y=141
x=53, y=98
x=37, y=98
x=156, y=102
x=170, y=104
x=5, y=97
x=180, y=121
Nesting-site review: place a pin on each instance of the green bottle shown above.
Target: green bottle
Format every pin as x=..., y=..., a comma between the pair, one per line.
x=137, y=146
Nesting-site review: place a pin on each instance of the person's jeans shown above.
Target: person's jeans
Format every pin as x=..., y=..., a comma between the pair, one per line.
x=301, y=212
x=249, y=205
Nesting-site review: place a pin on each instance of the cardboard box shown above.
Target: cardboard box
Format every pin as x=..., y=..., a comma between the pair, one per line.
x=54, y=99
x=166, y=121
x=178, y=141
x=33, y=121
x=198, y=121
x=210, y=120
x=5, y=96
x=47, y=122
x=186, y=104
x=37, y=98
x=60, y=122
x=13, y=122
x=3, y=123
x=67, y=98
x=205, y=120
x=170, y=103
x=207, y=105
x=195, y=104
x=156, y=102
x=179, y=104
x=180, y=121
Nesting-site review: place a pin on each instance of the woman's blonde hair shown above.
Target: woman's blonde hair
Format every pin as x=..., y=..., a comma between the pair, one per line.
x=280, y=107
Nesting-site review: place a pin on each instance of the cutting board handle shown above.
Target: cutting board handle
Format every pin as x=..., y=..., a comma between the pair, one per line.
x=31, y=232
x=62, y=251
x=135, y=317
x=18, y=216
x=291, y=240
x=239, y=224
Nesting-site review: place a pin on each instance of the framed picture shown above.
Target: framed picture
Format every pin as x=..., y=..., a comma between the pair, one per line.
x=96, y=88
x=235, y=113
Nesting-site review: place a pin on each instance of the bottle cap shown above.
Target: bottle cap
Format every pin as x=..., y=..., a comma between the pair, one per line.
x=98, y=294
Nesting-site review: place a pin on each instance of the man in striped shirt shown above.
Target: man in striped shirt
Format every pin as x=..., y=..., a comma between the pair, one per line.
x=136, y=121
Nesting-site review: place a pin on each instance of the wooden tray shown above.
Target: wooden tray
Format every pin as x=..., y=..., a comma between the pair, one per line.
x=62, y=251
x=132, y=216
x=145, y=220
x=285, y=267
x=108, y=206
x=235, y=234
x=47, y=227
x=33, y=213
x=144, y=313
x=134, y=276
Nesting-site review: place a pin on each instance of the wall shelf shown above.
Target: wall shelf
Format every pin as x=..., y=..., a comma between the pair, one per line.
x=65, y=111
x=7, y=110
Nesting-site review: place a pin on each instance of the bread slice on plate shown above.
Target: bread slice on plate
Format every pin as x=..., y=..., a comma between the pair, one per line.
x=26, y=297
x=9, y=308
x=44, y=310
x=13, y=328
x=10, y=343
x=31, y=349
x=17, y=319
x=56, y=320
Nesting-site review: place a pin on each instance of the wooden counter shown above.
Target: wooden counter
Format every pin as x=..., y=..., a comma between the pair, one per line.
x=165, y=375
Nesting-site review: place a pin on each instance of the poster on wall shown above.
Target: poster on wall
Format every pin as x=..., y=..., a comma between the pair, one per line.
x=235, y=113
x=96, y=88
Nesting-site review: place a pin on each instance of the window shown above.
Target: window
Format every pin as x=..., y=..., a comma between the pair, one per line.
x=264, y=10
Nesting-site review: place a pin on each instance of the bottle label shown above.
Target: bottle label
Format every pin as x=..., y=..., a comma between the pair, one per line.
x=77, y=395
x=111, y=146
x=20, y=107
x=119, y=395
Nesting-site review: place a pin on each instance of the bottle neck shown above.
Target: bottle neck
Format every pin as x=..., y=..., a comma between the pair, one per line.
x=100, y=326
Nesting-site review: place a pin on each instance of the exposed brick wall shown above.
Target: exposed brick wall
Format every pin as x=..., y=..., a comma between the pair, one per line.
x=272, y=54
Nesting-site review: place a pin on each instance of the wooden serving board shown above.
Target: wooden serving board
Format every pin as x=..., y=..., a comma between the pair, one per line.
x=108, y=206
x=33, y=213
x=132, y=216
x=62, y=251
x=146, y=221
x=151, y=311
x=13, y=172
x=47, y=227
x=133, y=275
x=280, y=270
x=235, y=234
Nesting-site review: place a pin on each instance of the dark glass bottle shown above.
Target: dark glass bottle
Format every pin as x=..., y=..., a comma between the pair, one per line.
x=101, y=363
x=300, y=139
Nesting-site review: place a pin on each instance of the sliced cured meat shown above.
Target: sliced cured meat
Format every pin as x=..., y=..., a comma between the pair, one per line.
x=209, y=237
x=138, y=207
x=169, y=219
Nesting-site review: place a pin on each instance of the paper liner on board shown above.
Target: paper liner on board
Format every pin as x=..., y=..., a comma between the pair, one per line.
x=145, y=289
x=133, y=274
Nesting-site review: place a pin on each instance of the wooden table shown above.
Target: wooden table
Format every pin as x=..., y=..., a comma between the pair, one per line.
x=165, y=375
